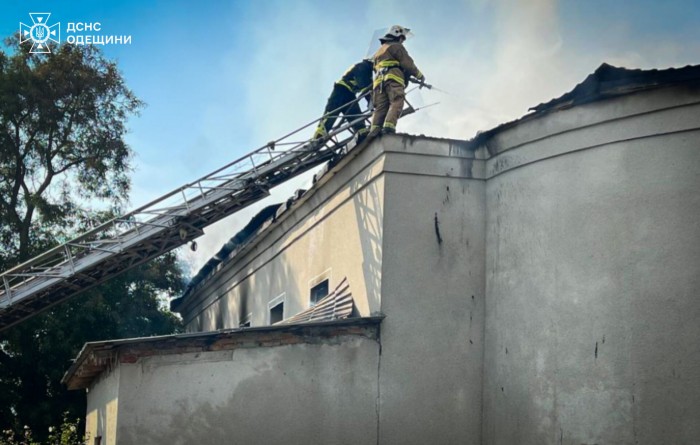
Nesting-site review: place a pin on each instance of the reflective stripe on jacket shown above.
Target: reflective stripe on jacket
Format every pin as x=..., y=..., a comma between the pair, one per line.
x=392, y=62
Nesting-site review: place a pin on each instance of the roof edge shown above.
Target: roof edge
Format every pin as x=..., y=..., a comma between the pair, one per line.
x=606, y=82
x=96, y=357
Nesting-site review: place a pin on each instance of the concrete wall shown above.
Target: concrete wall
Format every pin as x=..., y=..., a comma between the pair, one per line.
x=432, y=294
x=541, y=289
x=296, y=394
x=431, y=365
x=335, y=232
x=592, y=263
x=103, y=408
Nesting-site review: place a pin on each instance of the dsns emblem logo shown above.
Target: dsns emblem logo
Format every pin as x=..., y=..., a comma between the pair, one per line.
x=40, y=33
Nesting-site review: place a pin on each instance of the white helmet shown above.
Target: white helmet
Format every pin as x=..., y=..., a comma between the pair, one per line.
x=398, y=31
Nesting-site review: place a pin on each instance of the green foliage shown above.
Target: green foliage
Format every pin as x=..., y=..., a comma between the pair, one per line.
x=37, y=353
x=63, y=166
x=67, y=433
x=62, y=121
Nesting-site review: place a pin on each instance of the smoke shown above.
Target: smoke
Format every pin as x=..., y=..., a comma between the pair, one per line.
x=508, y=56
x=216, y=235
x=495, y=59
x=493, y=77
x=295, y=55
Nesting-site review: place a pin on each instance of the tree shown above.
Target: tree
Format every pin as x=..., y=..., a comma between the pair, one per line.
x=62, y=121
x=63, y=164
x=37, y=353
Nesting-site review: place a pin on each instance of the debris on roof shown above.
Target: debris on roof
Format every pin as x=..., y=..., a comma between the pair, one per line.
x=608, y=81
x=334, y=306
x=605, y=82
x=256, y=225
x=289, y=202
x=239, y=239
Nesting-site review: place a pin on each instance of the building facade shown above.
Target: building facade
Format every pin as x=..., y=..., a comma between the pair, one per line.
x=535, y=285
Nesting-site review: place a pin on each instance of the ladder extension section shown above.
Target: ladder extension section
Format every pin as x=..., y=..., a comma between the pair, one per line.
x=163, y=224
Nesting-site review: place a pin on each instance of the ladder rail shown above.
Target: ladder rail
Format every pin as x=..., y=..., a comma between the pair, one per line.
x=159, y=221
x=99, y=229
x=164, y=223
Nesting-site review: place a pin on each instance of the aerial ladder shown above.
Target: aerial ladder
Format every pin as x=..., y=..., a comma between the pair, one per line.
x=165, y=223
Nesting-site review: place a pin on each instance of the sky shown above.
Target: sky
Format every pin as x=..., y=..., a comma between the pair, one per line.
x=222, y=78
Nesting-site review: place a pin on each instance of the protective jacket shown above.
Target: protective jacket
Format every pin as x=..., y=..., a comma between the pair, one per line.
x=392, y=62
x=358, y=78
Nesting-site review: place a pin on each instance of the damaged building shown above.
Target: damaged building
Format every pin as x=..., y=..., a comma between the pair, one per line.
x=537, y=284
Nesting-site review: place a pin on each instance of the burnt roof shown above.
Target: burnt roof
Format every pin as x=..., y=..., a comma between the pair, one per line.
x=236, y=241
x=605, y=82
x=609, y=81
x=257, y=224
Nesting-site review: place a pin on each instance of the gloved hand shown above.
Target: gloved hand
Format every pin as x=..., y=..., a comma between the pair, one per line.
x=418, y=80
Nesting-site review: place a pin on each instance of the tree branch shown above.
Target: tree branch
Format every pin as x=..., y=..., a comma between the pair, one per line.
x=18, y=176
x=70, y=165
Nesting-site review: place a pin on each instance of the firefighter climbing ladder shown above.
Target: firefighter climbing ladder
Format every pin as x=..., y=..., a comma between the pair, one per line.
x=163, y=224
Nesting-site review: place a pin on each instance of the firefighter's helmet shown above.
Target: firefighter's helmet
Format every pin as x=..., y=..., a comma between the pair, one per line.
x=397, y=31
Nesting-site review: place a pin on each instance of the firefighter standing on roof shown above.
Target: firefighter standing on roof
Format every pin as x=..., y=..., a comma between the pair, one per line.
x=356, y=80
x=393, y=67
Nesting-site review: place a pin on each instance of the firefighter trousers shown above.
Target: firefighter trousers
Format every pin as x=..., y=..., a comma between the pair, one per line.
x=341, y=100
x=388, y=101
